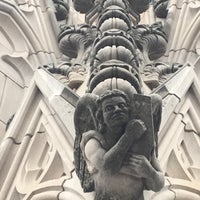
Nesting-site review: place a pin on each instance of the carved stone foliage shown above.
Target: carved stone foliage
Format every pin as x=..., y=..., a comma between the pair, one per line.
x=73, y=41
x=151, y=39
x=114, y=53
x=137, y=5
x=117, y=51
x=117, y=17
x=160, y=8
x=83, y=6
x=115, y=46
x=62, y=9
x=114, y=56
x=71, y=75
x=156, y=73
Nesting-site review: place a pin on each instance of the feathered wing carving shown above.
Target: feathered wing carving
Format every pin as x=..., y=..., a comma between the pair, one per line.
x=156, y=102
x=84, y=120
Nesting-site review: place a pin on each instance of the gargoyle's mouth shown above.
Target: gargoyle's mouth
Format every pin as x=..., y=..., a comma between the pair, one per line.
x=118, y=115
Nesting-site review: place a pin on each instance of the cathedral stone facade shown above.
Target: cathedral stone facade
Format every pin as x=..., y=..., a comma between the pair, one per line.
x=47, y=48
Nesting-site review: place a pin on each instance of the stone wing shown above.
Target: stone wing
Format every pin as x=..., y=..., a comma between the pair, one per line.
x=84, y=120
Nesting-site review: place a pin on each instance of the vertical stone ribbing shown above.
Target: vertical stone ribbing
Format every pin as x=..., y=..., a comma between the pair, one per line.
x=114, y=58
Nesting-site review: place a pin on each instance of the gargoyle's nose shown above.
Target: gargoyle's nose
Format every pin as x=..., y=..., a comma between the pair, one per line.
x=117, y=108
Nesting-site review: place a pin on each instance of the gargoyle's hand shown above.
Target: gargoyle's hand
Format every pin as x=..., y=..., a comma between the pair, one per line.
x=139, y=165
x=135, y=127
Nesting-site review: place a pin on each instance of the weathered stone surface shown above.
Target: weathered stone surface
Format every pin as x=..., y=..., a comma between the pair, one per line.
x=62, y=10
x=28, y=39
x=160, y=7
x=12, y=97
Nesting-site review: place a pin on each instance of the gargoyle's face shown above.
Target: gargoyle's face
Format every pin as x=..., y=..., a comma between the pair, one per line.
x=115, y=111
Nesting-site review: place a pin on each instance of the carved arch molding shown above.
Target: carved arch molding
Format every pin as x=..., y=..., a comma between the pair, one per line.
x=21, y=48
x=178, y=191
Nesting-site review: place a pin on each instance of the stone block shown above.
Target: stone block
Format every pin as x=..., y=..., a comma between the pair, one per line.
x=2, y=130
x=11, y=99
x=2, y=85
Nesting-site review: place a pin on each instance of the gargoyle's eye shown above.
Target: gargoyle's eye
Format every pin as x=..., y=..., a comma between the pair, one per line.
x=109, y=108
x=122, y=105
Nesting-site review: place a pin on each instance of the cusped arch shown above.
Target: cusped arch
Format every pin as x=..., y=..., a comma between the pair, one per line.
x=20, y=22
x=18, y=42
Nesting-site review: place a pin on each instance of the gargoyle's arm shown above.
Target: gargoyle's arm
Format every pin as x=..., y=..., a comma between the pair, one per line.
x=138, y=166
x=155, y=181
x=111, y=161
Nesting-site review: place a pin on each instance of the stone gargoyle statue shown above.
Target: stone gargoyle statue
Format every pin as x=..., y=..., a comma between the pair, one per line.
x=116, y=144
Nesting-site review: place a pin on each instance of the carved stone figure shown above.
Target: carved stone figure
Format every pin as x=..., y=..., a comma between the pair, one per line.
x=115, y=147
x=116, y=126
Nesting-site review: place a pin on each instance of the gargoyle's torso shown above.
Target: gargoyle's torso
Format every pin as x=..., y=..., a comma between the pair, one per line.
x=118, y=187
